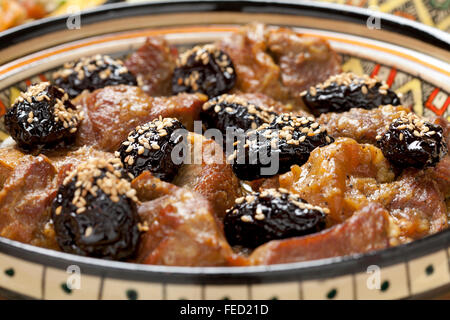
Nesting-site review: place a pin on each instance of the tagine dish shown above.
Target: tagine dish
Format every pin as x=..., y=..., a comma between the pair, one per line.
x=256, y=149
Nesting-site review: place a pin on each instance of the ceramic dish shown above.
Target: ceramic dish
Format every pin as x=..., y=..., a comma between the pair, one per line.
x=412, y=58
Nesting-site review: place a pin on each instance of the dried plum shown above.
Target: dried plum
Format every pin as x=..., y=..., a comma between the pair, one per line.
x=204, y=69
x=342, y=92
x=231, y=111
x=413, y=142
x=42, y=116
x=290, y=138
x=270, y=215
x=94, y=212
x=149, y=147
x=91, y=73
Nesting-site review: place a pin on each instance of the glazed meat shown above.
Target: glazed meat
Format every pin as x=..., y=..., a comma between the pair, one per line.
x=327, y=178
x=148, y=187
x=182, y=231
x=368, y=229
x=255, y=69
x=25, y=202
x=345, y=176
x=279, y=63
x=9, y=158
x=360, y=124
x=415, y=203
x=351, y=198
x=153, y=65
x=112, y=112
x=208, y=174
x=304, y=61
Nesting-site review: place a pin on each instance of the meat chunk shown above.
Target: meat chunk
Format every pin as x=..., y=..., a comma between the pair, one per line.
x=345, y=176
x=360, y=124
x=415, y=203
x=304, y=61
x=279, y=62
x=255, y=69
x=366, y=230
x=9, y=158
x=182, y=232
x=153, y=65
x=441, y=174
x=25, y=202
x=148, y=187
x=207, y=173
x=328, y=178
x=112, y=112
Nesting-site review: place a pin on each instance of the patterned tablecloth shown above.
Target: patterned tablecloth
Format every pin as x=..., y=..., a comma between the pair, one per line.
x=435, y=13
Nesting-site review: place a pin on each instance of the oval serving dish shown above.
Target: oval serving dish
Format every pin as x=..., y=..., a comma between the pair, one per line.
x=412, y=58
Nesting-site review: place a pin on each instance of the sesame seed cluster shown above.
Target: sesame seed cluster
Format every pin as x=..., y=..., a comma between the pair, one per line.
x=69, y=117
x=271, y=214
x=149, y=147
x=272, y=193
x=204, y=69
x=146, y=137
x=286, y=128
x=412, y=141
x=204, y=54
x=42, y=115
x=92, y=64
x=347, y=79
x=415, y=124
x=96, y=175
x=342, y=92
x=229, y=102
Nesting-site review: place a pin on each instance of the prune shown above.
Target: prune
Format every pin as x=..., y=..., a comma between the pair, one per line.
x=413, y=142
x=204, y=69
x=342, y=92
x=149, y=147
x=90, y=73
x=231, y=111
x=42, y=116
x=290, y=138
x=270, y=215
x=94, y=212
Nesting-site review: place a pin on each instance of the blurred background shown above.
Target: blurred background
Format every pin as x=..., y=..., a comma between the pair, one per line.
x=435, y=13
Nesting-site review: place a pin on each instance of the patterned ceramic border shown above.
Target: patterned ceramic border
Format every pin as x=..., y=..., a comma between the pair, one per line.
x=402, y=280
x=414, y=270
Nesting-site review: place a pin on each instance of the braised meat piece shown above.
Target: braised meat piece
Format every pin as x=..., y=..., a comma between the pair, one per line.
x=182, y=231
x=346, y=176
x=153, y=65
x=206, y=172
x=112, y=112
x=367, y=230
x=149, y=187
x=327, y=178
x=9, y=158
x=304, y=61
x=25, y=202
x=415, y=203
x=360, y=124
x=255, y=69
